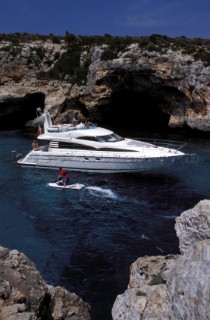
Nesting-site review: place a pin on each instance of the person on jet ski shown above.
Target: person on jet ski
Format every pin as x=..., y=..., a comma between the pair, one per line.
x=63, y=177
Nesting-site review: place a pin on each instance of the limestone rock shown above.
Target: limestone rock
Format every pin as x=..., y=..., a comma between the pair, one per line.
x=146, y=296
x=193, y=225
x=182, y=286
x=178, y=84
x=188, y=284
x=24, y=295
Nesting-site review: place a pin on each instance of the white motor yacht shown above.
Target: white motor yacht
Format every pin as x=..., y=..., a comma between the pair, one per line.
x=96, y=149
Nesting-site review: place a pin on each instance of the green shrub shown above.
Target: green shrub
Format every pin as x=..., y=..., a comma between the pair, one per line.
x=40, y=52
x=68, y=64
x=108, y=55
x=69, y=37
x=6, y=48
x=12, y=49
x=16, y=50
x=141, y=294
x=203, y=56
x=156, y=280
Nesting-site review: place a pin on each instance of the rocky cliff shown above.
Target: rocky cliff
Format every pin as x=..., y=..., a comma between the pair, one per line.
x=147, y=81
x=24, y=295
x=172, y=287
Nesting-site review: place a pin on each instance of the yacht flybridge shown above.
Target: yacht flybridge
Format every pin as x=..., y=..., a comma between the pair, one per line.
x=96, y=149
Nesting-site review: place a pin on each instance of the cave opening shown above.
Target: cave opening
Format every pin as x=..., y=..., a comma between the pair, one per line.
x=136, y=110
x=15, y=112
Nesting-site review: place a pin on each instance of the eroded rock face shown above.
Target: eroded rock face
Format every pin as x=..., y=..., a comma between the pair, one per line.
x=188, y=283
x=172, y=83
x=24, y=295
x=193, y=225
x=182, y=286
x=146, y=296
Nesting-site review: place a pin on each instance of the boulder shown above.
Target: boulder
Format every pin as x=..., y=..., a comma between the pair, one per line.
x=24, y=295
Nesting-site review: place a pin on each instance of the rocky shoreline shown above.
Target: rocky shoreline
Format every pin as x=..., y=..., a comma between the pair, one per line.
x=174, y=286
x=159, y=84
x=24, y=295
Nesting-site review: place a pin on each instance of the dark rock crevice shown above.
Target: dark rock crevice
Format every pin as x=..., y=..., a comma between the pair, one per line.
x=16, y=111
x=141, y=100
x=134, y=110
x=71, y=108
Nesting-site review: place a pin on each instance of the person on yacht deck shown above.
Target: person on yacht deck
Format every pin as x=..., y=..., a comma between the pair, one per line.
x=74, y=122
x=88, y=123
x=35, y=145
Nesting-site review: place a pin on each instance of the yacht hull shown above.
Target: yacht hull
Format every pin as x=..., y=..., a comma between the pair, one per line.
x=97, y=162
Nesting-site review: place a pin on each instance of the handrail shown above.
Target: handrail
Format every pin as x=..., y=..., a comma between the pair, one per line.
x=163, y=142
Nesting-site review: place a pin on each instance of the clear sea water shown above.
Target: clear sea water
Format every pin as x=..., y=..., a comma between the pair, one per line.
x=86, y=240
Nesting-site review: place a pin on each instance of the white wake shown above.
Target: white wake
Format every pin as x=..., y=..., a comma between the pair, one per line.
x=98, y=191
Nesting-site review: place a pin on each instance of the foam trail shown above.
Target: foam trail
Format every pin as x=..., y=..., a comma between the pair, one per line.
x=169, y=217
x=106, y=193
x=143, y=237
x=159, y=249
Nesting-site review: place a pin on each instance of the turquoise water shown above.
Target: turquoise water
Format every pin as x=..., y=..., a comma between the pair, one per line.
x=86, y=240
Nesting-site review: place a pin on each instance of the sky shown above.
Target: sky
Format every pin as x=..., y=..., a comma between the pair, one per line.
x=173, y=18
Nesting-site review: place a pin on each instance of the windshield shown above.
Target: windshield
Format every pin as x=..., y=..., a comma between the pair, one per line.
x=109, y=138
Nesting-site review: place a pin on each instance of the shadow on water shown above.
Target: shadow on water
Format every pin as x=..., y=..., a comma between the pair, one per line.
x=86, y=240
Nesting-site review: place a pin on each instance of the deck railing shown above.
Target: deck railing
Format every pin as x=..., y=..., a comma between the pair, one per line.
x=178, y=145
